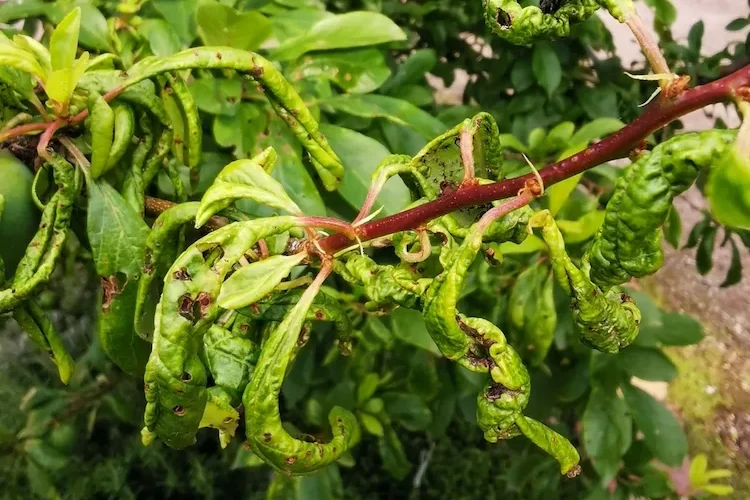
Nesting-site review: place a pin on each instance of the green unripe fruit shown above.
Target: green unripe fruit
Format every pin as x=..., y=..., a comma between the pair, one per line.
x=20, y=217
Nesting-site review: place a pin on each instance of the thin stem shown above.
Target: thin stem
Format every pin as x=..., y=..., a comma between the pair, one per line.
x=617, y=145
x=650, y=48
x=17, y=120
x=372, y=194
x=425, y=248
x=524, y=197
x=156, y=206
x=73, y=150
x=41, y=148
x=337, y=225
x=22, y=130
x=39, y=107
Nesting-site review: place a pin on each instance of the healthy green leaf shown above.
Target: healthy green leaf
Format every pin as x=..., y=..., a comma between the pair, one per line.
x=408, y=326
x=354, y=71
x=734, y=275
x=180, y=14
x=64, y=41
x=117, y=234
x=661, y=430
x=607, y=431
x=161, y=37
x=673, y=228
x=647, y=364
x=353, y=29
x=546, y=67
x=360, y=156
x=390, y=108
x=251, y=283
x=218, y=96
x=223, y=26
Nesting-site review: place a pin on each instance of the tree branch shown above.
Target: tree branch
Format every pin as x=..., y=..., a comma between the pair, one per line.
x=617, y=145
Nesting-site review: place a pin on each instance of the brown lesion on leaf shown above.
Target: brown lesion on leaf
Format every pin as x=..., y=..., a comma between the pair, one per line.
x=551, y=6
x=181, y=274
x=504, y=20
x=496, y=391
x=178, y=410
x=111, y=289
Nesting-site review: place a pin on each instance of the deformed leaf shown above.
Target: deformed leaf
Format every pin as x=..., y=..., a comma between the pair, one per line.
x=251, y=283
x=245, y=179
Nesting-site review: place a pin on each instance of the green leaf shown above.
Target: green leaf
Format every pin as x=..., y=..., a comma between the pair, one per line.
x=599, y=101
x=393, y=455
x=408, y=326
x=371, y=424
x=353, y=29
x=546, y=67
x=531, y=244
x=240, y=130
x=251, y=283
x=697, y=471
x=361, y=155
x=734, y=275
x=245, y=179
x=695, y=37
x=117, y=234
x=412, y=70
x=367, y=387
x=704, y=258
x=559, y=137
x=390, y=108
x=720, y=490
x=290, y=169
x=673, y=228
x=161, y=37
x=245, y=458
x=607, y=431
x=64, y=41
x=354, y=71
x=522, y=76
x=10, y=11
x=180, y=14
x=218, y=96
x=647, y=364
x=736, y=25
x=583, y=228
x=596, y=129
x=679, y=330
x=666, y=14
x=222, y=26
x=408, y=409
x=661, y=430
x=94, y=33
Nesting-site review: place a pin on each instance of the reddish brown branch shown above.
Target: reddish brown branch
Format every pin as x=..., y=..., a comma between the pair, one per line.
x=617, y=145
